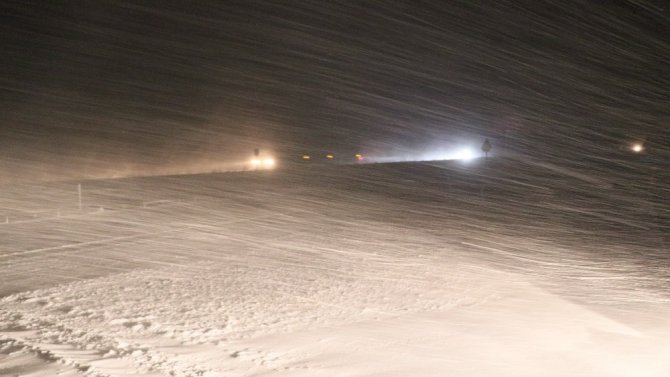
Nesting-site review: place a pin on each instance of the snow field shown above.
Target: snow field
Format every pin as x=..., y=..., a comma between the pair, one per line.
x=381, y=271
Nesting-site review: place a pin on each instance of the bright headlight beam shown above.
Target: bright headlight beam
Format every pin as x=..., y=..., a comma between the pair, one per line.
x=464, y=154
x=265, y=163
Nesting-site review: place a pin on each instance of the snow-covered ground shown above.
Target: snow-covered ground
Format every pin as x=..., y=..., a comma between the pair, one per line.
x=412, y=269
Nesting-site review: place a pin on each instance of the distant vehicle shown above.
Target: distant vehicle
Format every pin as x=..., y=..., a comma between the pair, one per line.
x=264, y=163
x=258, y=162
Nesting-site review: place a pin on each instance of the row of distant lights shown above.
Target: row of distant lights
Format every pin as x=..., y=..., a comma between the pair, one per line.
x=463, y=154
x=306, y=157
x=269, y=163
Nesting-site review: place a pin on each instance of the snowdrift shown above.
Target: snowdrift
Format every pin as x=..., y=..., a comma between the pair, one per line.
x=499, y=267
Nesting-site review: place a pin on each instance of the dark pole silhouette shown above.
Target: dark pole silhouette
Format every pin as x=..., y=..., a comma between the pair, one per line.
x=486, y=147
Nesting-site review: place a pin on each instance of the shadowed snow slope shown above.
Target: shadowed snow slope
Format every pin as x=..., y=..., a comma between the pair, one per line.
x=505, y=268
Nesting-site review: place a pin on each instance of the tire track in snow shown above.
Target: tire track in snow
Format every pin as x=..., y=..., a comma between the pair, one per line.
x=91, y=243
x=183, y=227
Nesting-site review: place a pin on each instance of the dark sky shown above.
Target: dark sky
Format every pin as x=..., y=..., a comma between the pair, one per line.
x=91, y=87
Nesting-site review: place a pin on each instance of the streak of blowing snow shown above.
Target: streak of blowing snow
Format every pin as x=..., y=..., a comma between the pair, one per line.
x=498, y=267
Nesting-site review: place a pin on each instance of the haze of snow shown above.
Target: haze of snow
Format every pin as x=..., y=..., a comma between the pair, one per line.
x=501, y=267
x=115, y=89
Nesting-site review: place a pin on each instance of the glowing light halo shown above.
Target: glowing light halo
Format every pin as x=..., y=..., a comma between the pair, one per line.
x=463, y=154
x=264, y=163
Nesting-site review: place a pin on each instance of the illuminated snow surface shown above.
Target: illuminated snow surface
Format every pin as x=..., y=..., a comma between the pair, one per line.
x=504, y=268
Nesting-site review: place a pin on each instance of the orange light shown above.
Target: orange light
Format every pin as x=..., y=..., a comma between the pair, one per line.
x=269, y=162
x=637, y=147
x=359, y=156
x=306, y=157
x=330, y=156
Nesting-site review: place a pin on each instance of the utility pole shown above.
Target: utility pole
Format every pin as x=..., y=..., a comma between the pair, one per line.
x=486, y=148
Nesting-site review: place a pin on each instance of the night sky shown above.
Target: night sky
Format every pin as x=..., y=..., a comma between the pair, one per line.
x=94, y=88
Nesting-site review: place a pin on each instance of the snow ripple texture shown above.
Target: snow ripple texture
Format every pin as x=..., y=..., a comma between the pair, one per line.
x=390, y=269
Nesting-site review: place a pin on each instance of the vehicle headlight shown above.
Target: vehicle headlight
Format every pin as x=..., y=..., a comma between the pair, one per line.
x=464, y=154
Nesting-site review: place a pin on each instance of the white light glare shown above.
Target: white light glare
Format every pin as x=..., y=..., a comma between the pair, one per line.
x=464, y=154
x=637, y=147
